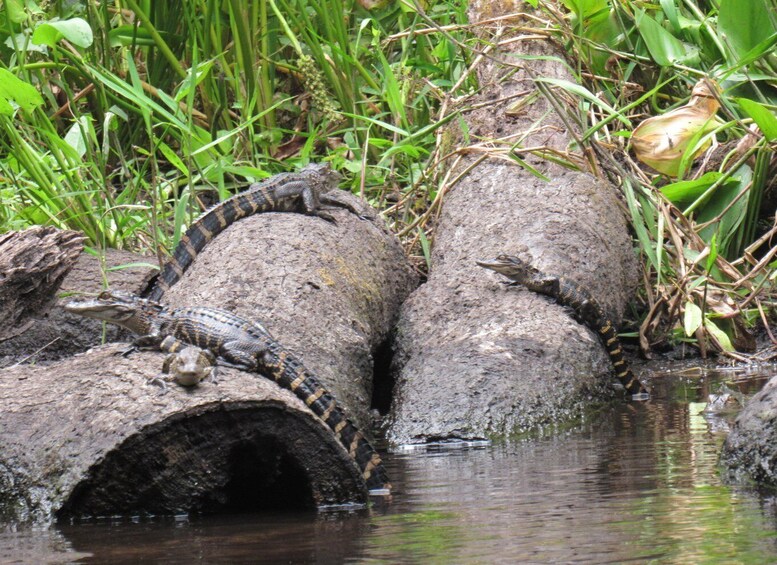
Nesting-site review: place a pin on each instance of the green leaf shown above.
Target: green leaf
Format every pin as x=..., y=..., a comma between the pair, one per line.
x=129, y=35
x=745, y=23
x=691, y=318
x=664, y=47
x=719, y=334
x=75, y=30
x=765, y=119
x=684, y=192
x=77, y=136
x=15, y=11
x=13, y=88
x=723, y=199
x=713, y=252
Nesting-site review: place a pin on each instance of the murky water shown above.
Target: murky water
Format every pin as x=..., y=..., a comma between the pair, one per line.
x=634, y=483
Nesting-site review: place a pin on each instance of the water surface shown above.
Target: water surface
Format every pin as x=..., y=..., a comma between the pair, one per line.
x=634, y=483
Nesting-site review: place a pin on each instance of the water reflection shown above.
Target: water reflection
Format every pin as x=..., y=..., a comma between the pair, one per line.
x=637, y=482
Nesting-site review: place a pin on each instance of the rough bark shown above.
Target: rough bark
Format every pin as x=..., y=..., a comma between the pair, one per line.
x=329, y=293
x=89, y=436
x=473, y=357
x=33, y=263
x=100, y=442
x=51, y=333
x=750, y=452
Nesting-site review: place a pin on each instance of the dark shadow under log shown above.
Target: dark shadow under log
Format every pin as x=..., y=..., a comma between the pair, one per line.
x=89, y=436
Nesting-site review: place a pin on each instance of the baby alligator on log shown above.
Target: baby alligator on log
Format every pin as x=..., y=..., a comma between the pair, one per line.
x=188, y=366
x=586, y=310
x=239, y=343
x=302, y=192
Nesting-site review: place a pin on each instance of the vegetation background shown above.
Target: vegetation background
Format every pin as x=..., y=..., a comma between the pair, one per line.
x=125, y=119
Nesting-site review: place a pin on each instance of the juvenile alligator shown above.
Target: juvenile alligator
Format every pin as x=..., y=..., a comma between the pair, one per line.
x=188, y=366
x=302, y=192
x=239, y=343
x=585, y=308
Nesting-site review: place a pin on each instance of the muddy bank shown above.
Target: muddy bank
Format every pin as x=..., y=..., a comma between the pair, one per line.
x=473, y=357
x=89, y=436
x=750, y=452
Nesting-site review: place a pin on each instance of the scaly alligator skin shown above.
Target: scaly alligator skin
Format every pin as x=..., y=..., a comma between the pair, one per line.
x=287, y=192
x=188, y=366
x=239, y=343
x=586, y=310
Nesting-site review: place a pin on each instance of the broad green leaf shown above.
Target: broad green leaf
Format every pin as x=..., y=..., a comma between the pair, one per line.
x=664, y=47
x=719, y=334
x=75, y=30
x=129, y=35
x=765, y=119
x=77, y=136
x=691, y=318
x=745, y=23
x=23, y=94
x=586, y=8
x=15, y=11
x=723, y=199
x=683, y=193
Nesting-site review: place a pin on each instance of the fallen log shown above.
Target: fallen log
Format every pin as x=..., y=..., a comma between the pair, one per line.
x=103, y=443
x=475, y=358
x=749, y=454
x=50, y=333
x=33, y=264
x=90, y=437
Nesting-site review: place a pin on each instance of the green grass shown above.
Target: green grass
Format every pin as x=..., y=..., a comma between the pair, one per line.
x=122, y=123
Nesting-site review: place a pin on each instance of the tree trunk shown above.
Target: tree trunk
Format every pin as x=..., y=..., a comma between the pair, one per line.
x=90, y=437
x=33, y=263
x=475, y=358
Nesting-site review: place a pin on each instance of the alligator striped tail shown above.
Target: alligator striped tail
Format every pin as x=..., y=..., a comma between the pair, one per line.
x=289, y=373
x=591, y=313
x=257, y=198
x=622, y=370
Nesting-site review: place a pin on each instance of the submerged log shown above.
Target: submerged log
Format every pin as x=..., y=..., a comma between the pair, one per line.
x=33, y=264
x=100, y=442
x=750, y=452
x=90, y=437
x=475, y=358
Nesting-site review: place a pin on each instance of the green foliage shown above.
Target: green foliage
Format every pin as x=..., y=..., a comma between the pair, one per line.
x=662, y=49
x=115, y=121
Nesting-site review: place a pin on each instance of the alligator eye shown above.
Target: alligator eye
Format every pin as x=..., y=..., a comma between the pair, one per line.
x=104, y=295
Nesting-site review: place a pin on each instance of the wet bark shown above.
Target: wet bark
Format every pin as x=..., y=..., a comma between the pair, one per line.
x=750, y=452
x=89, y=436
x=475, y=358
x=86, y=436
x=33, y=264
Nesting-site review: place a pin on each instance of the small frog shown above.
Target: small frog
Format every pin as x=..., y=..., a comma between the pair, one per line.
x=187, y=367
x=725, y=403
